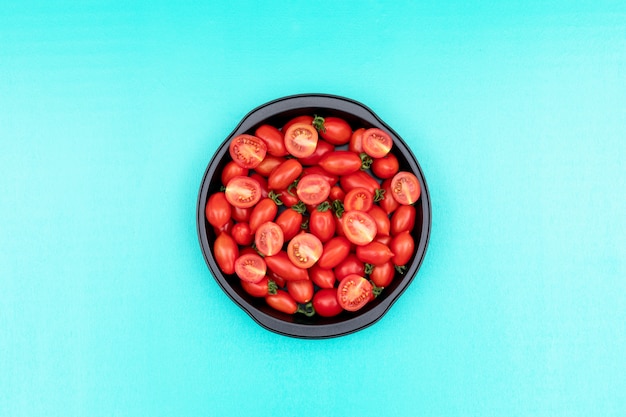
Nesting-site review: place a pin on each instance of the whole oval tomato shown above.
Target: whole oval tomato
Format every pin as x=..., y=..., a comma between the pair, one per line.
x=226, y=251
x=374, y=253
x=402, y=220
x=290, y=221
x=301, y=140
x=326, y=304
x=376, y=143
x=241, y=214
x=273, y=138
x=247, y=151
x=268, y=164
x=250, y=267
x=282, y=301
x=405, y=188
x=382, y=220
x=356, y=141
x=354, y=292
x=359, y=179
x=403, y=247
x=304, y=250
x=259, y=289
x=335, y=250
x=301, y=291
x=382, y=275
x=242, y=234
x=348, y=266
x=334, y=129
x=388, y=203
x=232, y=170
x=225, y=228
x=336, y=193
x=217, y=210
x=283, y=175
x=264, y=211
x=243, y=192
x=341, y=162
x=288, y=196
x=269, y=239
x=322, y=224
x=323, y=278
x=322, y=149
x=359, y=227
x=282, y=265
x=386, y=167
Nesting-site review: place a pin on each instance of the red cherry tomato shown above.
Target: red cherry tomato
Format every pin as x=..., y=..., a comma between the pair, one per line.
x=269, y=239
x=306, y=119
x=232, y=170
x=385, y=240
x=301, y=291
x=335, y=250
x=403, y=246
x=318, y=170
x=273, y=138
x=269, y=164
x=243, y=192
x=348, y=266
x=225, y=228
x=376, y=143
x=382, y=220
x=284, y=174
x=290, y=221
x=334, y=129
x=264, y=211
x=388, y=203
x=313, y=189
x=225, y=250
x=247, y=151
x=403, y=219
x=325, y=302
x=323, y=278
x=304, y=250
x=322, y=149
x=282, y=302
x=250, y=267
x=336, y=193
x=301, y=140
x=359, y=179
x=259, y=289
x=280, y=281
x=382, y=275
x=358, y=199
x=359, y=227
x=282, y=265
x=217, y=210
x=356, y=141
x=386, y=167
x=405, y=188
x=241, y=214
x=374, y=253
x=322, y=224
x=354, y=292
x=341, y=162
x=288, y=196
x=242, y=234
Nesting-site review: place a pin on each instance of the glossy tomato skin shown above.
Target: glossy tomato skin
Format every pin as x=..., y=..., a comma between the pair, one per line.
x=257, y=289
x=388, y=203
x=403, y=219
x=326, y=304
x=313, y=189
x=341, y=162
x=225, y=228
x=335, y=250
x=336, y=193
x=356, y=141
x=383, y=275
x=359, y=227
x=241, y=214
x=232, y=170
x=354, y=292
x=348, y=266
x=376, y=143
x=359, y=179
x=383, y=224
x=334, y=129
x=304, y=250
x=243, y=192
x=282, y=301
x=269, y=238
x=247, y=151
x=386, y=167
x=301, y=291
x=322, y=224
x=282, y=265
x=323, y=278
x=264, y=211
x=225, y=251
x=218, y=211
x=405, y=188
x=322, y=149
x=269, y=164
x=273, y=138
x=262, y=183
x=242, y=234
x=288, y=197
x=290, y=221
x=306, y=119
x=403, y=246
x=284, y=175
x=301, y=140
x=318, y=170
x=374, y=253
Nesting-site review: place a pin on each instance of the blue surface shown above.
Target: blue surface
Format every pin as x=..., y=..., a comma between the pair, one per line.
x=110, y=111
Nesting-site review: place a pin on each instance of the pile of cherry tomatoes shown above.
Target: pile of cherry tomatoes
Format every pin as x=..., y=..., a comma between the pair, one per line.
x=314, y=217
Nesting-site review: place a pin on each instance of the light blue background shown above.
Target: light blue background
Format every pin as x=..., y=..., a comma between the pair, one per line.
x=110, y=112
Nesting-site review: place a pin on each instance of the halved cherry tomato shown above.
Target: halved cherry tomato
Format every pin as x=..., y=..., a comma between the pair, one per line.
x=284, y=174
x=359, y=179
x=250, y=267
x=232, y=170
x=259, y=289
x=241, y=214
x=301, y=291
x=243, y=192
x=405, y=188
x=264, y=211
x=359, y=227
x=356, y=141
x=273, y=138
x=341, y=162
x=218, y=210
x=313, y=189
x=290, y=221
x=242, y=234
x=325, y=302
x=382, y=275
x=269, y=164
x=323, y=278
x=247, y=151
x=403, y=219
x=403, y=247
x=336, y=193
x=335, y=250
x=282, y=302
x=322, y=149
x=386, y=167
x=304, y=250
x=376, y=143
x=374, y=253
x=269, y=238
x=301, y=140
x=321, y=222
x=388, y=203
x=282, y=265
x=382, y=220
x=225, y=250
x=354, y=292
x=358, y=199
x=306, y=119
x=334, y=129
x=349, y=265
